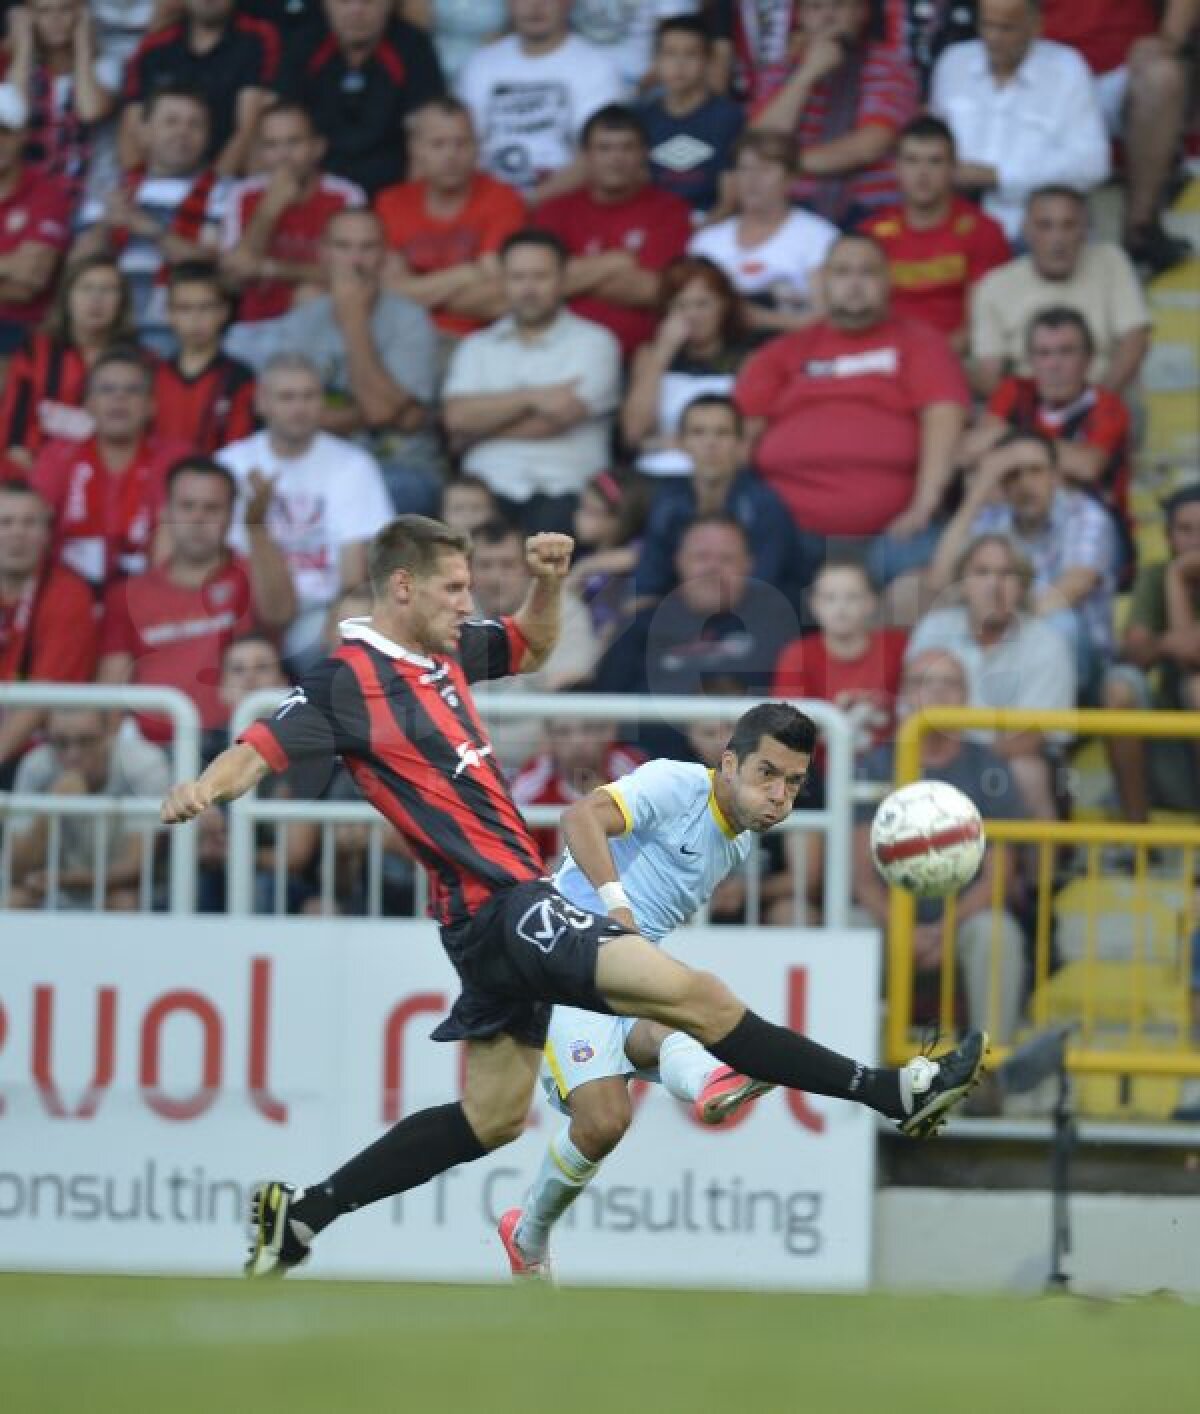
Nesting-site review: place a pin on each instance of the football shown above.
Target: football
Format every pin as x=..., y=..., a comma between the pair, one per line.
x=928, y=838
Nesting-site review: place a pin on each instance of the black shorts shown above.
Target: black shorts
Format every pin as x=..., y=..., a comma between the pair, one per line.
x=526, y=948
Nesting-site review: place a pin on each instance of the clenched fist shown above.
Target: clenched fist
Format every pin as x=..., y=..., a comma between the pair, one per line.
x=184, y=802
x=548, y=555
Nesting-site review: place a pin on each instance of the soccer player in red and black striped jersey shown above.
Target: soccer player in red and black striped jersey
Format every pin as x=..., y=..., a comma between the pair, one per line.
x=394, y=701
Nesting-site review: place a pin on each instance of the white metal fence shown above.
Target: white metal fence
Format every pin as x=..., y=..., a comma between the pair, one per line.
x=104, y=812
x=833, y=822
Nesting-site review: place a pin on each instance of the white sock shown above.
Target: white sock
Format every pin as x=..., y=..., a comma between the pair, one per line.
x=563, y=1176
x=685, y=1066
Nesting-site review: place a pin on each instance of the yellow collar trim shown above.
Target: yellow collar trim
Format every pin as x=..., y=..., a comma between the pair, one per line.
x=722, y=824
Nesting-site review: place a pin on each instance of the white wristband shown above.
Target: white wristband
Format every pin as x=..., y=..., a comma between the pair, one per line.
x=614, y=896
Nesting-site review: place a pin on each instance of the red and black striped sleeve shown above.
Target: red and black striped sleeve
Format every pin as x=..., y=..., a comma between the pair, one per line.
x=491, y=648
x=325, y=716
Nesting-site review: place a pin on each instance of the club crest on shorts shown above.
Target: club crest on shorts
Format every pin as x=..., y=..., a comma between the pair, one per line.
x=544, y=922
x=581, y=1052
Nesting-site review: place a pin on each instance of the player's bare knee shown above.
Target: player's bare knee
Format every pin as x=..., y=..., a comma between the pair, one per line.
x=496, y=1126
x=599, y=1125
x=710, y=1009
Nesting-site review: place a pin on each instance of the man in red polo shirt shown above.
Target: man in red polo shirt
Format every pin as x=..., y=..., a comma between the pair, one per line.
x=47, y=619
x=859, y=415
x=274, y=220
x=106, y=493
x=35, y=218
x=620, y=230
x=445, y=228
x=937, y=244
x=170, y=626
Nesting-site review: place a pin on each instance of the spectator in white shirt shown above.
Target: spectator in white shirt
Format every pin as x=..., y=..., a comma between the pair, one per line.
x=531, y=92
x=328, y=496
x=531, y=399
x=1063, y=267
x=1024, y=112
x=771, y=250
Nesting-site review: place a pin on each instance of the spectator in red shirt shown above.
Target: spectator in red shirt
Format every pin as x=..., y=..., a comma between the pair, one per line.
x=1136, y=50
x=107, y=492
x=446, y=226
x=274, y=220
x=170, y=626
x=232, y=59
x=47, y=618
x=620, y=230
x=858, y=416
x=846, y=95
x=850, y=662
x=937, y=244
x=35, y=218
x=579, y=757
x=1089, y=423
x=43, y=384
x=202, y=396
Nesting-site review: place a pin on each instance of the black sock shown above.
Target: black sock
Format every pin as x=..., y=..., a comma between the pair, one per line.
x=763, y=1051
x=409, y=1154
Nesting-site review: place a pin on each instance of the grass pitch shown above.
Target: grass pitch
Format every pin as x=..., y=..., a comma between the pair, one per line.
x=91, y=1345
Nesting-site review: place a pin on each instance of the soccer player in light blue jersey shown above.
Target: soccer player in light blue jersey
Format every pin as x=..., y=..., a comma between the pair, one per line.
x=649, y=850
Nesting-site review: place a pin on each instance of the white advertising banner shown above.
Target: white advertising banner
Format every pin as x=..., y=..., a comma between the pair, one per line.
x=151, y=1069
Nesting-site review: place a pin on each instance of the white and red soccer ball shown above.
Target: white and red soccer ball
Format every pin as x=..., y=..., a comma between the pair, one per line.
x=928, y=838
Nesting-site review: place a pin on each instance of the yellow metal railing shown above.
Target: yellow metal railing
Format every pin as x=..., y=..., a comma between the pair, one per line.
x=1131, y=1013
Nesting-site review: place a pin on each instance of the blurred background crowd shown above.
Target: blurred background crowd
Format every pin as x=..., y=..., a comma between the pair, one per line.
x=855, y=341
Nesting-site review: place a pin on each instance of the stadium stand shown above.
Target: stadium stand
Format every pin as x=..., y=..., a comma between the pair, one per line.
x=267, y=234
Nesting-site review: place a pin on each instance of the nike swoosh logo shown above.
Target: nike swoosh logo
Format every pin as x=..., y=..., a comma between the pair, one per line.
x=683, y=849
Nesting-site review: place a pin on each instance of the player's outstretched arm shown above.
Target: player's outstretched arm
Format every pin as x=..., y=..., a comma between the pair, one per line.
x=587, y=827
x=233, y=773
x=539, y=618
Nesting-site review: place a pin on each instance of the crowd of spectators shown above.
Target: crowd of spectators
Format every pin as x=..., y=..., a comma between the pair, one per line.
x=790, y=312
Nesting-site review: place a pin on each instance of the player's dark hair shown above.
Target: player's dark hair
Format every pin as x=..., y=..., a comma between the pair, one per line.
x=927, y=128
x=1018, y=434
x=202, y=466
x=1061, y=316
x=781, y=722
x=543, y=240
x=713, y=400
x=413, y=543
x=612, y=118
x=129, y=355
x=691, y=25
